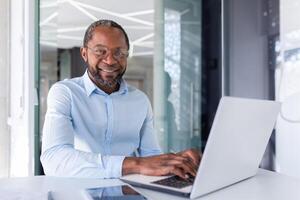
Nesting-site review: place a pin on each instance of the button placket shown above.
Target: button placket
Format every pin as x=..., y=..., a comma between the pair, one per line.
x=109, y=124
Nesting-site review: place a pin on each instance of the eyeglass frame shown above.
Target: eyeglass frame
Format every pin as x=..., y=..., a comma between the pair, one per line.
x=123, y=51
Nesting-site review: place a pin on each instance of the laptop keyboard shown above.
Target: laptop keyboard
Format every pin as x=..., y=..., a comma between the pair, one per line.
x=175, y=181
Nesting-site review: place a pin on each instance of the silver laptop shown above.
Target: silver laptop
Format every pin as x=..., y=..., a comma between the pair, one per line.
x=236, y=144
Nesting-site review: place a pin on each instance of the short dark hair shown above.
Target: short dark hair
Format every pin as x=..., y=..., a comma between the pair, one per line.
x=102, y=22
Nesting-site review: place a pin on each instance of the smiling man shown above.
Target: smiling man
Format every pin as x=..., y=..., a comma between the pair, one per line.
x=98, y=126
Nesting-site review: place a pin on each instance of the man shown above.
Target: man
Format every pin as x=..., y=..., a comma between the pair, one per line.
x=98, y=126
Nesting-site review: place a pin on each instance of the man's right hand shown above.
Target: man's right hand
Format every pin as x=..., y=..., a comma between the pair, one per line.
x=160, y=165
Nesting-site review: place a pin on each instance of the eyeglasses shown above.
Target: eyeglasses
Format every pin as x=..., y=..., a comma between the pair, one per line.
x=102, y=52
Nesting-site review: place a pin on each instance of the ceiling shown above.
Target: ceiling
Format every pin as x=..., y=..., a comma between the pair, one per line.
x=63, y=22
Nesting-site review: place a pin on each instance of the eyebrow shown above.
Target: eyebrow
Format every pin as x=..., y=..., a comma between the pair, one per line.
x=100, y=45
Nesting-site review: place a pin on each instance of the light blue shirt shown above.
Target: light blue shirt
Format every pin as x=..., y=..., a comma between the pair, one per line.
x=88, y=133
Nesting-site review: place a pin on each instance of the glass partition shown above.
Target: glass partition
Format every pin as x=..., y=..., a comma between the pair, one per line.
x=178, y=65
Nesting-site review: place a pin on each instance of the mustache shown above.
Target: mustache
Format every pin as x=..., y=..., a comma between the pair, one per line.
x=106, y=66
x=103, y=65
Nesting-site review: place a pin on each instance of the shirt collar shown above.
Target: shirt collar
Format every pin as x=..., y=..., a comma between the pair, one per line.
x=90, y=87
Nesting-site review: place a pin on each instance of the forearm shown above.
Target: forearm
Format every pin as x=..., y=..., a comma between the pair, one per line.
x=69, y=162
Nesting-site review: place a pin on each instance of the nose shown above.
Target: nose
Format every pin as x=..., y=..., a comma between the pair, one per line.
x=109, y=59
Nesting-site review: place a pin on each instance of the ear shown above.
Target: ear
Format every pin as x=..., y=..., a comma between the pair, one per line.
x=83, y=53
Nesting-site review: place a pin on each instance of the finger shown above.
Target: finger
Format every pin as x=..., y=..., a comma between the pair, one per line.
x=175, y=159
x=193, y=154
x=187, y=160
x=186, y=166
x=192, y=162
x=178, y=159
x=188, y=169
x=177, y=171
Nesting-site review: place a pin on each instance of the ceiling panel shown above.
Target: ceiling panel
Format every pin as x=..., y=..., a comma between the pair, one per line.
x=66, y=20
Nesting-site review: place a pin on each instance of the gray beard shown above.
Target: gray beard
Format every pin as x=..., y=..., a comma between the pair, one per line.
x=104, y=83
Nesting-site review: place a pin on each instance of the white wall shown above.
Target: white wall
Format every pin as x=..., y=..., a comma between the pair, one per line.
x=22, y=92
x=4, y=84
x=288, y=90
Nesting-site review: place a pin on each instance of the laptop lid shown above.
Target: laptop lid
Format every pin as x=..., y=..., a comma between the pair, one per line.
x=236, y=143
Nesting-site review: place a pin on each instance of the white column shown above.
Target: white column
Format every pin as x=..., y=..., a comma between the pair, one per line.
x=22, y=90
x=4, y=85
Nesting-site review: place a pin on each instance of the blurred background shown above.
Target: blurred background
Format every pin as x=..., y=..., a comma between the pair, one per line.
x=185, y=55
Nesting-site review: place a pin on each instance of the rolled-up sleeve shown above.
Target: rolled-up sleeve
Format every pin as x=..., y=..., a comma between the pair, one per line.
x=59, y=157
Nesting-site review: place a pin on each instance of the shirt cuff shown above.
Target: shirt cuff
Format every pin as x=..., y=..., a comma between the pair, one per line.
x=113, y=166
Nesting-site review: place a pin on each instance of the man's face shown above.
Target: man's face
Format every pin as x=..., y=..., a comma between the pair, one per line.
x=106, y=56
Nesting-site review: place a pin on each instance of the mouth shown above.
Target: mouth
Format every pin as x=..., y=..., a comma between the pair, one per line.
x=108, y=71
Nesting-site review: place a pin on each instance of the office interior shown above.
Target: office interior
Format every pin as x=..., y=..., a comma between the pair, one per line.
x=185, y=55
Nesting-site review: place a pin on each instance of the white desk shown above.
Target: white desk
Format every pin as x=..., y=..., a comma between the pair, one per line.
x=265, y=185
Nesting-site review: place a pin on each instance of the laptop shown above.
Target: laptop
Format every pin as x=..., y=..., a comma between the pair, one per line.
x=233, y=152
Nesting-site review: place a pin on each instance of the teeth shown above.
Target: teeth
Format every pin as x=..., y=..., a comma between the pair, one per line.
x=108, y=70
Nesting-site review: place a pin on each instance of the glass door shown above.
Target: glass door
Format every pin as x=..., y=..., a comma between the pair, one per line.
x=181, y=75
x=186, y=72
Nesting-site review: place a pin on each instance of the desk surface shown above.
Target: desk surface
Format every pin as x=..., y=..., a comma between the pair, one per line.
x=265, y=185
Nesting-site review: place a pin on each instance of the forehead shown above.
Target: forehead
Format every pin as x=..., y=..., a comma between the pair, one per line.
x=108, y=36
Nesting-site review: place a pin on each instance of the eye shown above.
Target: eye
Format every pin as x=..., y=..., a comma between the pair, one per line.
x=120, y=53
x=101, y=51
